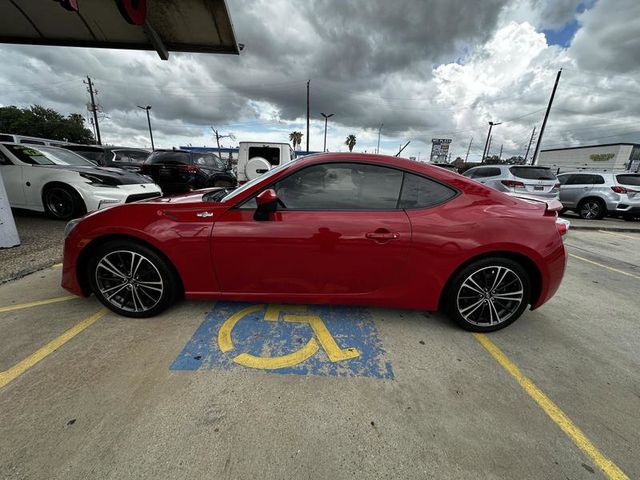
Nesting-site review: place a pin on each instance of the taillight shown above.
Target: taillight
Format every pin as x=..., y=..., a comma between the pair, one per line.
x=512, y=183
x=556, y=186
x=188, y=168
x=619, y=189
x=562, y=226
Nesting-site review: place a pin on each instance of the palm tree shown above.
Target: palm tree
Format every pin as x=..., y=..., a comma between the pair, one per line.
x=295, y=138
x=350, y=142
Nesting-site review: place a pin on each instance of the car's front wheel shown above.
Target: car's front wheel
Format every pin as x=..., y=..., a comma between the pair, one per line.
x=488, y=294
x=62, y=202
x=132, y=279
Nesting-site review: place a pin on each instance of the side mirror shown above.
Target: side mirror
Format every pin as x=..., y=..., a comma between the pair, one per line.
x=267, y=204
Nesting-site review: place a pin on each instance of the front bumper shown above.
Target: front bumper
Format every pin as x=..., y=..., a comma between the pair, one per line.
x=97, y=198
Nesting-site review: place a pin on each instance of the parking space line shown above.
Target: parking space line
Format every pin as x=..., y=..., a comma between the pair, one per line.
x=576, y=435
x=615, y=234
x=20, y=306
x=56, y=265
x=604, y=266
x=21, y=367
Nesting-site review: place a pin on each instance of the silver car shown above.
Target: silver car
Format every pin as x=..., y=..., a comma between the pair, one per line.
x=594, y=194
x=520, y=179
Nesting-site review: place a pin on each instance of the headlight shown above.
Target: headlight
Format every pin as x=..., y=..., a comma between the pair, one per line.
x=99, y=180
x=70, y=226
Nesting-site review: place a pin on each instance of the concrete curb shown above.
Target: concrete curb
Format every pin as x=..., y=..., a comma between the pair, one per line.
x=605, y=229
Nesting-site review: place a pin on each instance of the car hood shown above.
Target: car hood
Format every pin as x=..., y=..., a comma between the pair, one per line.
x=116, y=175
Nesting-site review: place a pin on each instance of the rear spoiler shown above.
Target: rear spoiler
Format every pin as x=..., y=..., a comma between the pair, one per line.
x=552, y=206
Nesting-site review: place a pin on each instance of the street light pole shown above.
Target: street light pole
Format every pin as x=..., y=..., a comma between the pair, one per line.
x=326, y=117
x=486, y=144
x=379, y=130
x=147, y=108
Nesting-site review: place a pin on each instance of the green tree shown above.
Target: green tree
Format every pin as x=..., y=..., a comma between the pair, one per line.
x=295, y=138
x=37, y=121
x=350, y=142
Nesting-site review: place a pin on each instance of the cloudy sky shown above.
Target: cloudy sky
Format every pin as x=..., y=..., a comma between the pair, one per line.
x=437, y=68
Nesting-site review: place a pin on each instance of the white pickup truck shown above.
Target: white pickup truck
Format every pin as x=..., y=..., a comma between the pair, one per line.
x=256, y=158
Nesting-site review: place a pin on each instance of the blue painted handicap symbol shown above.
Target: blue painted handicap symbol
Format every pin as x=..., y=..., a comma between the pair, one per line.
x=298, y=339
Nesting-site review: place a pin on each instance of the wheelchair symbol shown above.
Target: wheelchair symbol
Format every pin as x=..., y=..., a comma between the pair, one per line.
x=272, y=314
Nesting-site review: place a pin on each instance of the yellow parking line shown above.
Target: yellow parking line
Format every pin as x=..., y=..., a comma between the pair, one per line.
x=615, y=234
x=56, y=265
x=576, y=435
x=604, y=266
x=20, y=306
x=18, y=369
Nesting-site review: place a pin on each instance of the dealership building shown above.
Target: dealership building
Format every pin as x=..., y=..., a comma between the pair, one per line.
x=606, y=157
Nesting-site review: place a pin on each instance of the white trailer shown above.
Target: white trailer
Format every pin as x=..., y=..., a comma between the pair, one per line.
x=256, y=158
x=612, y=157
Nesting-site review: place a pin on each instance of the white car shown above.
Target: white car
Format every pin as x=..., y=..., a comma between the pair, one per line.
x=64, y=184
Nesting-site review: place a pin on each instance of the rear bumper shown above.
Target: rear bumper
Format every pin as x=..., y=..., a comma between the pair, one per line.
x=555, y=265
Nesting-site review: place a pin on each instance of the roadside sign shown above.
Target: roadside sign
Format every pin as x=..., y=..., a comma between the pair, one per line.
x=291, y=339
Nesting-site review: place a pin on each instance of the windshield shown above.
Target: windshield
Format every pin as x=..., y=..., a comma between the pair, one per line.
x=533, y=173
x=251, y=183
x=48, y=156
x=629, y=179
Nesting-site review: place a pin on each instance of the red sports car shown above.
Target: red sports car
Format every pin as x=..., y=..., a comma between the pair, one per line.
x=335, y=228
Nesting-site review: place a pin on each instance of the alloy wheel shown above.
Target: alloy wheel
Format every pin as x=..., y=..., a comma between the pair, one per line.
x=129, y=281
x=490, y=296
x=590, y=210
x=60, y=202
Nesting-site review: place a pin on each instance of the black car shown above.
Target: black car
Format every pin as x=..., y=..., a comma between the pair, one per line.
x=183, y=170
x=127, y=158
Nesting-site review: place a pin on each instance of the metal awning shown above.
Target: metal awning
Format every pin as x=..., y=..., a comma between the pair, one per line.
x=162, y=25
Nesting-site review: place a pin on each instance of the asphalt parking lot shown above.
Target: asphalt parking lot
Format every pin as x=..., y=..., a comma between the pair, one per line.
x=249, y=391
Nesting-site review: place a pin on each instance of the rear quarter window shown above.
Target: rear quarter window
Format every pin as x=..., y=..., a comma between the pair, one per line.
x=170, y=158
x=533, y=173
x=420, y=192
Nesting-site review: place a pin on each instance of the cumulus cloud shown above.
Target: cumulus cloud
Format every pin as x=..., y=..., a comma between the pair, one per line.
x=435, y=69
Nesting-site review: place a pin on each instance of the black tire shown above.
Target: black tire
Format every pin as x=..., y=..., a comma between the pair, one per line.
x=592, y=209
x=132, y=293
x=629, y=217
x=62, y=202
x=471, y=308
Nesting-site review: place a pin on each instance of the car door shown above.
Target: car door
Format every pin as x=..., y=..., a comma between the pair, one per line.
x=338, y=230
x=575, y=188
x=12, y=174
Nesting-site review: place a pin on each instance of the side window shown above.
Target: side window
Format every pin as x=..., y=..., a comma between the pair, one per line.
x=580, y=179
x=597, y=179
x=420, y=192
x=562, y=179
x=341, y=186
x=4, y=160
x=489, y=172
x=470, y=173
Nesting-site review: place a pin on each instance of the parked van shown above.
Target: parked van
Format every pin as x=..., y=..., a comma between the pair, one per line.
x=256, y=158
x=10, y=137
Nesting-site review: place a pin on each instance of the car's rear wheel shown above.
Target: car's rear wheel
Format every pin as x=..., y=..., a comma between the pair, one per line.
x=488, y=295
x=592, y=209
x=132, y=279
x=62, y=202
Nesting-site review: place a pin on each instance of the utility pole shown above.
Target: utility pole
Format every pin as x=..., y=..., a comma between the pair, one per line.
x=500, y=156
x=94, y=109
x=379, y=130
x=326, y=117
x=468, y=150
x=546, y=116
x=147, y=108
x=533, y=133
x=308, y=83
x=488, y=143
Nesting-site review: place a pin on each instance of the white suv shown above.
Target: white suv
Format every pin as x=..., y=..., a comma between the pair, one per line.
x=520, y=179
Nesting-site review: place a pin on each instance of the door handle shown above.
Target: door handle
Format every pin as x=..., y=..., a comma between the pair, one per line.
x=204, y=214
x=381, y=234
